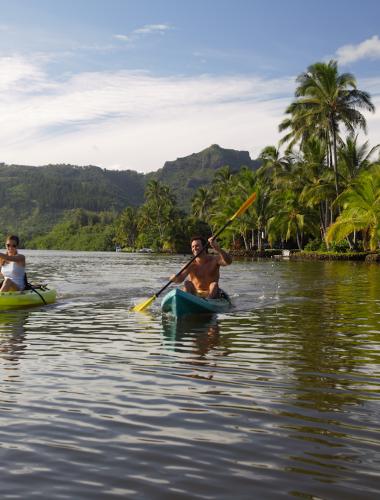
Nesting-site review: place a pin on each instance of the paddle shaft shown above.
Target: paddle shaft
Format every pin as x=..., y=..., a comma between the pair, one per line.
x=40, y=296
x=28, y=285
x=195, y=256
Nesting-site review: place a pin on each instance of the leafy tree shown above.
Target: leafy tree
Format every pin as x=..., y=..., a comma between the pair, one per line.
x=361, y=210
x=325, y=100
x=127, y=228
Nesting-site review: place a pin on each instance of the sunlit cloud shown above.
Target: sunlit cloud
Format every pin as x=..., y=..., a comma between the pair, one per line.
x=148, y=29
x=123, y=38
x=369, y=49
x=133, y=119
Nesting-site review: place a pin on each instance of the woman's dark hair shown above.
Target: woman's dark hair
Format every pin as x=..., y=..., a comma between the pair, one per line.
x=202, y=239
x=14, y=238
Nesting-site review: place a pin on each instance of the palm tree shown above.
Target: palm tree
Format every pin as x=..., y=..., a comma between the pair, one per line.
x=158, y=211
x=126, y=228
x=274, y=164
x=318, y=182
x=325, y=100
x=201, y=203
x=291, y=219
x=361, y=210
x=354, y=158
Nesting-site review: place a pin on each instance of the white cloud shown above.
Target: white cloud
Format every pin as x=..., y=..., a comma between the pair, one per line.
x=123, y=38
x=19, y=72
x=148, y=29
x=130, y=119
x=369, y=49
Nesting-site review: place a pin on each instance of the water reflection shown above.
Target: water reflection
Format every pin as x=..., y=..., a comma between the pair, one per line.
x=12, y=343
x=202, y=331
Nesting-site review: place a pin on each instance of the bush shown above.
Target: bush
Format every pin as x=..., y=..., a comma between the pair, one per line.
x=340, y=247
x=314, y=245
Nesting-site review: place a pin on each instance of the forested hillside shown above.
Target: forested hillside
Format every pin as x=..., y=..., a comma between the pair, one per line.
x=33, y=200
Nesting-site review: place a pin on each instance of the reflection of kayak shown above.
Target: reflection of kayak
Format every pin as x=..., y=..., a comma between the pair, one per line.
x=179, y=303
x=26, y=298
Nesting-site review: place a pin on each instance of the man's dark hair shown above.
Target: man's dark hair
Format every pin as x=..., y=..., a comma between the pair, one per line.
x=202, y=239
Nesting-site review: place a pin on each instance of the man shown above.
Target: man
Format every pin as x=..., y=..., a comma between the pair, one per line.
x=203, y=272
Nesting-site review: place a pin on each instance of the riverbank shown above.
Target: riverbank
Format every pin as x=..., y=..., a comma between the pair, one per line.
x=304, y=255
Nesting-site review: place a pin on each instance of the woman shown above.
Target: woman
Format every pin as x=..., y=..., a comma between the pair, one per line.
x=12, y=267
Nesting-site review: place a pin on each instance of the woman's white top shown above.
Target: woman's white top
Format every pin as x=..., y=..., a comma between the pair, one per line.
x=15, y=272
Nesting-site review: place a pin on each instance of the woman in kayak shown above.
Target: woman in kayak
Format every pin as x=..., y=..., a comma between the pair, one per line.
x=203, y=272
x=12, y=267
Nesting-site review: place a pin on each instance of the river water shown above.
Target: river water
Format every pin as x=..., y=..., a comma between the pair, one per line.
x=277, y=398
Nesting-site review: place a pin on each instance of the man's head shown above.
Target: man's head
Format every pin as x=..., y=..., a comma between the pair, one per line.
x=197, y=244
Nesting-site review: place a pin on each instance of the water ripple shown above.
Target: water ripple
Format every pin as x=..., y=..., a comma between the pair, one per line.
x=278, y=397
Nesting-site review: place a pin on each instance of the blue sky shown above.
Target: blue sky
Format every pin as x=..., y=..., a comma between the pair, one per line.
x=133, y=83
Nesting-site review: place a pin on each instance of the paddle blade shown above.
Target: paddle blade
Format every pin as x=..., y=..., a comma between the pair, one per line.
x=144, y=305
x=244, y=207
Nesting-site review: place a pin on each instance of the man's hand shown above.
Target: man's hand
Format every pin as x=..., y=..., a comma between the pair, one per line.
x=225, y=259
x=214, y=245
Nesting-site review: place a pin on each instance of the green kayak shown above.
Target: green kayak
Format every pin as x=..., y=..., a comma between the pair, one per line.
x=180, y=303
x=27, y=298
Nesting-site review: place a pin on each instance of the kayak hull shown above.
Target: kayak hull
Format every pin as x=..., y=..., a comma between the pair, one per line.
x=27, y=298
x=180, y=303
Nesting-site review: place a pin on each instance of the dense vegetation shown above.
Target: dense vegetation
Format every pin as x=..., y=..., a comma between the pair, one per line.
x=33, y=200
x=319, y=189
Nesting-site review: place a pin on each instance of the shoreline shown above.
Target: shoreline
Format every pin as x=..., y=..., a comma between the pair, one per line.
x=304, y=255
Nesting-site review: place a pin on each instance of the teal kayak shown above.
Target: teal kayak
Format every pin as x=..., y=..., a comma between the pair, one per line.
x=180, y=303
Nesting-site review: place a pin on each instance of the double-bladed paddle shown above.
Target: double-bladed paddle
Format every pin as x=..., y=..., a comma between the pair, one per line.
x=242, y=209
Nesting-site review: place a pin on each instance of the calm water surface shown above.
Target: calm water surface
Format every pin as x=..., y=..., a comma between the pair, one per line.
x=277, y=398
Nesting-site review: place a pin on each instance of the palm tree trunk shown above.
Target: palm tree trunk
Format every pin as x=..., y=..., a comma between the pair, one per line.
x=335, y=155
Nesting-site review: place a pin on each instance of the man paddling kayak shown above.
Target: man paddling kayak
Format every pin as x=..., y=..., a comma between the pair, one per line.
x=203, y=272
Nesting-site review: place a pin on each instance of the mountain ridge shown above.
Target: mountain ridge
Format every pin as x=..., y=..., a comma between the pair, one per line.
x=34, y=198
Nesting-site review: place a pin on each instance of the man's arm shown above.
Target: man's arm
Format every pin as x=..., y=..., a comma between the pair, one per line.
x=225, y=258
x=178, y=279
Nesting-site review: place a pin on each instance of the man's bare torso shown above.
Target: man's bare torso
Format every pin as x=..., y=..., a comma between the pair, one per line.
x=204, y=271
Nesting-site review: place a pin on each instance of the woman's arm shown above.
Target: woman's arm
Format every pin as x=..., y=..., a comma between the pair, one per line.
x=20, y=259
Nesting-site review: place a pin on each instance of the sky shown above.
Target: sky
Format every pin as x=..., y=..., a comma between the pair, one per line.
x=130, y=84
